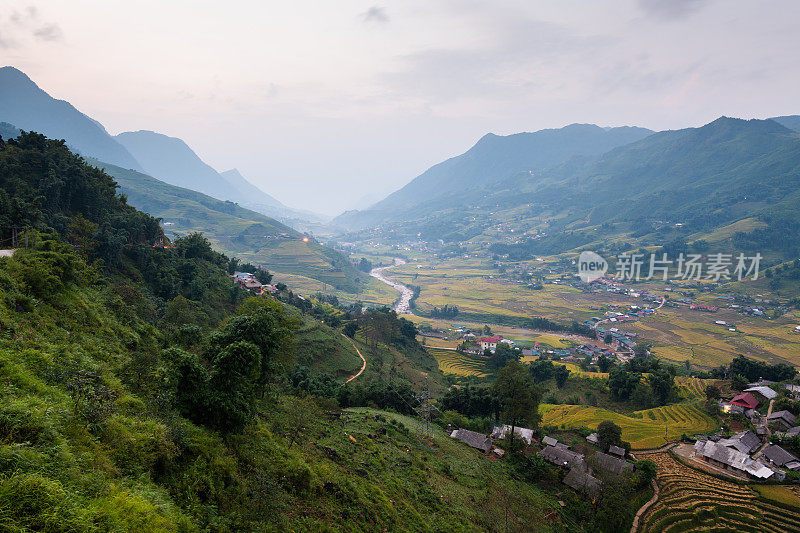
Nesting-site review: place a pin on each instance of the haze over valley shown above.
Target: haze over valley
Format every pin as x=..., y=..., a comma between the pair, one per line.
x=405, y=267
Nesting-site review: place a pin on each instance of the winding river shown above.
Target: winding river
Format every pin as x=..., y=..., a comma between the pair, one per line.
x=403, y=304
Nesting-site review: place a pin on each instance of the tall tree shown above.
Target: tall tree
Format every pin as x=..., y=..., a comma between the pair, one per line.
x=520, y=399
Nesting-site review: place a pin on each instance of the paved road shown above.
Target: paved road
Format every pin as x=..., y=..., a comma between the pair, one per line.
x=403, y=304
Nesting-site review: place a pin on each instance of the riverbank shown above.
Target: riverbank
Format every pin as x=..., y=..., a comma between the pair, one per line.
x=403, y=304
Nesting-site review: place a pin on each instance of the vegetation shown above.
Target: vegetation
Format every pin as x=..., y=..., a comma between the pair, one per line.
x=693, y=500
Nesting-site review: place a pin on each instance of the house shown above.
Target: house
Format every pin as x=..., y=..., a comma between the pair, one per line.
x=562, y=457
x=762, y=393
x=782, y=418
x=745, y=442
x=489, y=343
x=744, y=401
x=593, y=439
x=616, y=450
x=792, y=432
x=613, y=464
x=729, y=458
x=580, y=480
x=500, y=432
x=549, y=441
x=778, y=456
x=476, y=440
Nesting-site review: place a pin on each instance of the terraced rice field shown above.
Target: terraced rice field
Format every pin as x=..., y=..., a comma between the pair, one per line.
x=643, y=429
x=452, y=362
x=691, y=500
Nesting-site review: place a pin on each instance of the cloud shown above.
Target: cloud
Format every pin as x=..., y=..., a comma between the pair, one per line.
x=49, y=32
x=671, y=9
x=375, y=14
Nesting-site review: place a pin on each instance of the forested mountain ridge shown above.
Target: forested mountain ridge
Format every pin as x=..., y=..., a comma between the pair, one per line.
x=492, y=159
x=700, y=178
x=28, y=107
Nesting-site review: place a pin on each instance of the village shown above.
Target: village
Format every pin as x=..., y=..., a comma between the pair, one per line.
x=748, y=455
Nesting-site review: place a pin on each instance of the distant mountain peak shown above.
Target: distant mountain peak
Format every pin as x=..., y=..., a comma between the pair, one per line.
x=27, y=106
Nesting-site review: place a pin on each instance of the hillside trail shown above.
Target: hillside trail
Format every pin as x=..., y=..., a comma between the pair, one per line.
x=363, y=361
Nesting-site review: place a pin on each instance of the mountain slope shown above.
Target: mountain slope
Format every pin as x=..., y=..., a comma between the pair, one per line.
x=492, y=159
x=172, y=161
x=233, y=229
x=29, y=108
x=700, y=178
x=790, y=121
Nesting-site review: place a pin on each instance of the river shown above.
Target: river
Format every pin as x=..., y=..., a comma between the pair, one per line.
x=403, y=304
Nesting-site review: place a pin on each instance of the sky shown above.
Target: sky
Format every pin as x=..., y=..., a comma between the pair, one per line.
x=327, y=104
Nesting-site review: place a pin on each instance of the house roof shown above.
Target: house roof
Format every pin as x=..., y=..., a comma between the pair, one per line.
x=578, y=479
x=792, y=432
x=786, y=416
x=592, y=438
x=562, y=457
x=766, y=392
x=612, y=464
x=549, y=441
x=745, y=442
x=778, y=455
x=500, y=432
x=476, y=440
x=720, y=453
x=616, y=450
x=745, y=400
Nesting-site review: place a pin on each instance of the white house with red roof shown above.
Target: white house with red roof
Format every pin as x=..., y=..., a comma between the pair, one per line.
x=489, y=343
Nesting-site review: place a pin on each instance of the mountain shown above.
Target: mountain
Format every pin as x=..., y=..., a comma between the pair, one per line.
x=492, y=159
x=28, y=107
x=235, y=230
x=8, y=131
x=248, y=191
x=171, y=160
x=790, y=121
x=695, y=179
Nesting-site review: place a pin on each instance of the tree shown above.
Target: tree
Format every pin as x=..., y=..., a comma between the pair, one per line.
x=518, y=396
x=713, y=393
x=608, y=434
x=561, y=373
x=604, y=363
x=350, y=329
x=503, y=354
x=487, y=330
x=663, y=385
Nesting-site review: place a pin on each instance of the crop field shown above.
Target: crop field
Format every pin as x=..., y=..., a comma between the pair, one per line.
x=575, y=369
x=691, y=500
x=643, y=429
x=462, y=365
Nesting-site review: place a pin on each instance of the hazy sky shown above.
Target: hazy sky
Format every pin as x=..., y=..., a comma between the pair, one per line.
x=321, y=103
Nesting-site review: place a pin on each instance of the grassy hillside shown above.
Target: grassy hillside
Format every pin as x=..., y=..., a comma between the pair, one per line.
x=235, y=230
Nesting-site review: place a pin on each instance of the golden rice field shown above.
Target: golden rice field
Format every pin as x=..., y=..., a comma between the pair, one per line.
x=691, y=500
x=643, y=429
x=463, y=365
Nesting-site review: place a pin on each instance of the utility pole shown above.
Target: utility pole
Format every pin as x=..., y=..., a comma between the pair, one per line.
x=424, y=410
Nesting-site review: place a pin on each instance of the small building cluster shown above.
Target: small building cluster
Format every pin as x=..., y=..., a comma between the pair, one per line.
x=248, y=282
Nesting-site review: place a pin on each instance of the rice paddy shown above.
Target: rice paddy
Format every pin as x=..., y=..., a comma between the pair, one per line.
x=458, y=364
x=649, y=428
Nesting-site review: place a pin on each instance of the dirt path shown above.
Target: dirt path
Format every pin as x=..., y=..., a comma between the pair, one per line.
x=363, y=361
x=643, y=509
